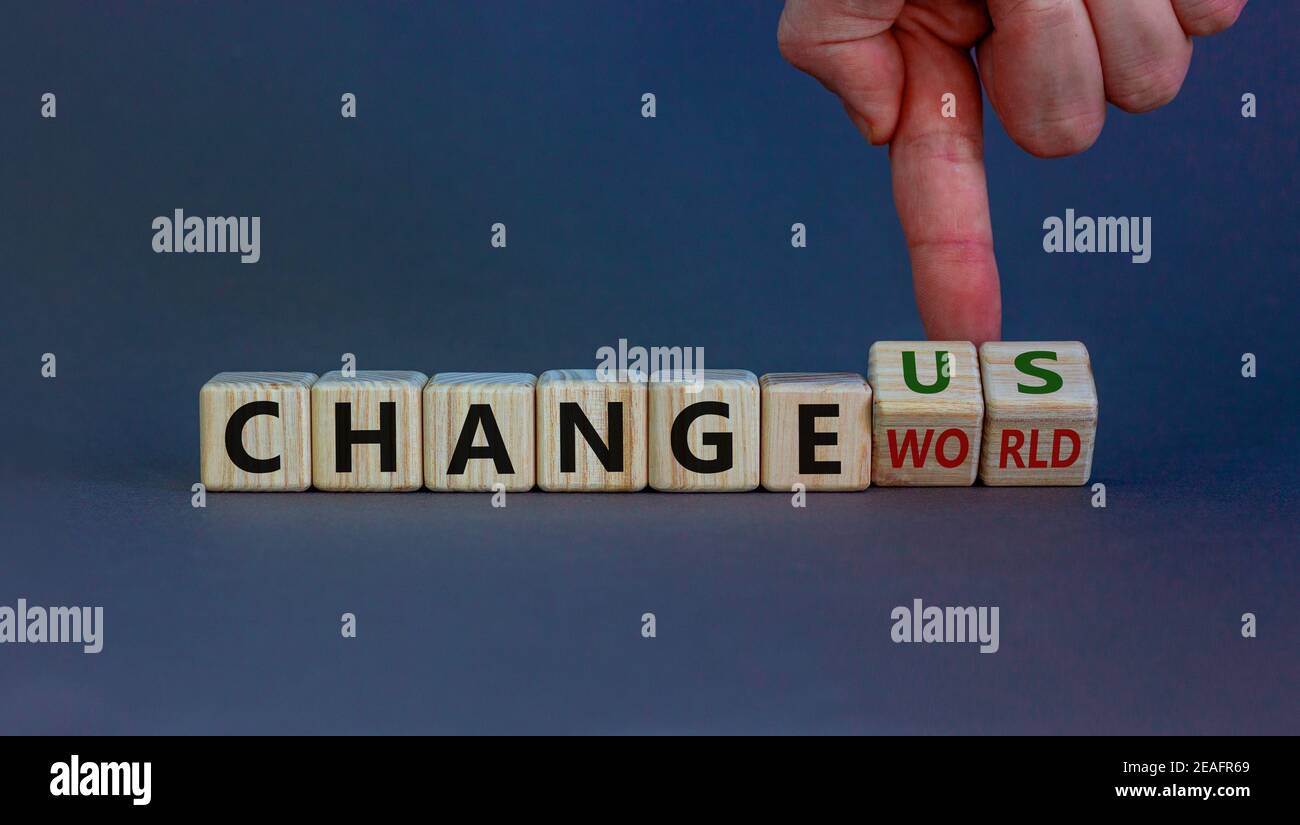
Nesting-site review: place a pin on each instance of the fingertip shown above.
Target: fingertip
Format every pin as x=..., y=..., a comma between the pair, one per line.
x=1058, y=138
x=958, y=292
x=977, y=331
x=1202, y=18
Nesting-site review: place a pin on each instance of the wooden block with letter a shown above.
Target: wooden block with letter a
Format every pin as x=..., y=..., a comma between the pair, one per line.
x=478, y=431
x=1042, y=413
x=704, y=434
x=255, y=431
x=927, y=413
x=366, y=431
x=591, y=433
x=816, y=431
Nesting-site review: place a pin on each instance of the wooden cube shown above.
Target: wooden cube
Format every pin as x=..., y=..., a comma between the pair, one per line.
x=704, y=435
x=478, y=431
x=928, y=410
x=255, y=431
x=816, y=431
x=591, y=433
x=1041, y=416
x=366, y=431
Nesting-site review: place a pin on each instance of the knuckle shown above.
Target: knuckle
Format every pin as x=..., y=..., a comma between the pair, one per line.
x=793, y=46
x=1040, y=13
x=794, y=38
x=945, y=145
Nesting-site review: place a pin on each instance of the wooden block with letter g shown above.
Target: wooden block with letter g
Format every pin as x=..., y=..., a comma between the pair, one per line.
x=816, y=431
x=478, y=431
x=255, y=431
x=927, y=413
x=1042, y=413
x=366, y=431
x=704, y=433
x=591, y=433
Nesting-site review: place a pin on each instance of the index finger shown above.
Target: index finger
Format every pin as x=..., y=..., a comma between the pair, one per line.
x=941, y=194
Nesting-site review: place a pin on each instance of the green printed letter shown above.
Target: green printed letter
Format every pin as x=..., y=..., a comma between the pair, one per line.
x=942, y=372
x=1051, y=380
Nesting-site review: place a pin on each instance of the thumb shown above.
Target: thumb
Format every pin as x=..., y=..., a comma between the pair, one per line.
x=941, y=194
x=848, y=46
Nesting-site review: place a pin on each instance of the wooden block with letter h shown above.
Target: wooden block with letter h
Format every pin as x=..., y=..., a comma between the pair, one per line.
x=704, y=432
x=255, y=431
x=479, y=431
x=366, y=431
x=816, y=431
x=928, y=410
x=1042, y=413
x=591, y=433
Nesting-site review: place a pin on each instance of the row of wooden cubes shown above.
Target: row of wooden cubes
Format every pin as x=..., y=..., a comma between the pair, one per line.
x=928, y=413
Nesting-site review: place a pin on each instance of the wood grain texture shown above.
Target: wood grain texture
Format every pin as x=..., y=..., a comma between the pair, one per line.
x=739, y=390
x=782, y=396
x=511, y=397
x=593, y=397
x=917, y=434
x=1037, y=429
x=365, y=393
x=286, y=435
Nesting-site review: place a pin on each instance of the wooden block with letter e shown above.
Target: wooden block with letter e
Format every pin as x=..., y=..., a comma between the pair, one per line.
x=927, y=412
x=255, y=431
x=704, y=433
x=1042, y=413
x=591, y=433
x=478, y=431
x=366, y=431
x=816, y=431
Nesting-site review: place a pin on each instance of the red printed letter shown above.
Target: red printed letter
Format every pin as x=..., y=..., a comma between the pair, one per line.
x=1073, y=437
x=896, y=454
x=963, y=444
x=1012, y=441
x=1035, y=463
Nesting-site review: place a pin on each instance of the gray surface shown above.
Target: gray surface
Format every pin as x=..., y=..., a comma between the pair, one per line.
x=769, y=618
x=670, y=232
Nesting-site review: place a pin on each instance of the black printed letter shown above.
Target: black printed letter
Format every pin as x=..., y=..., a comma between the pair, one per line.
x=385, y=437
x=721, y=442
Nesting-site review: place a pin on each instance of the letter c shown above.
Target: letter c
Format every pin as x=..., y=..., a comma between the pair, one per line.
x=235, y=437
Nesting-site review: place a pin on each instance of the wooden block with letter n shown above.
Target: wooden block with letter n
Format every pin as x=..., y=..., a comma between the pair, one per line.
x=928, y=410
x=816, y=431
x=704, y=433
x=478, y=431
x=255, y=431
x=366, y=431
x=1042, y=413
x=591, y=433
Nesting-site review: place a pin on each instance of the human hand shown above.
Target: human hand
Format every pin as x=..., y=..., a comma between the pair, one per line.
x=1049, y=66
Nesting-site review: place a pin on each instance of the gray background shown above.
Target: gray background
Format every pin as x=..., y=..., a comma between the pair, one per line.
x=672, y=231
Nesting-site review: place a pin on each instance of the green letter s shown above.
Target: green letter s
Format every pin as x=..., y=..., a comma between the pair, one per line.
x=1051, y=381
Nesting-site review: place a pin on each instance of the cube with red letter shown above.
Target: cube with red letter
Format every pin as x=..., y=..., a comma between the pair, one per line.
x=927, y=413
x=1041, y=418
